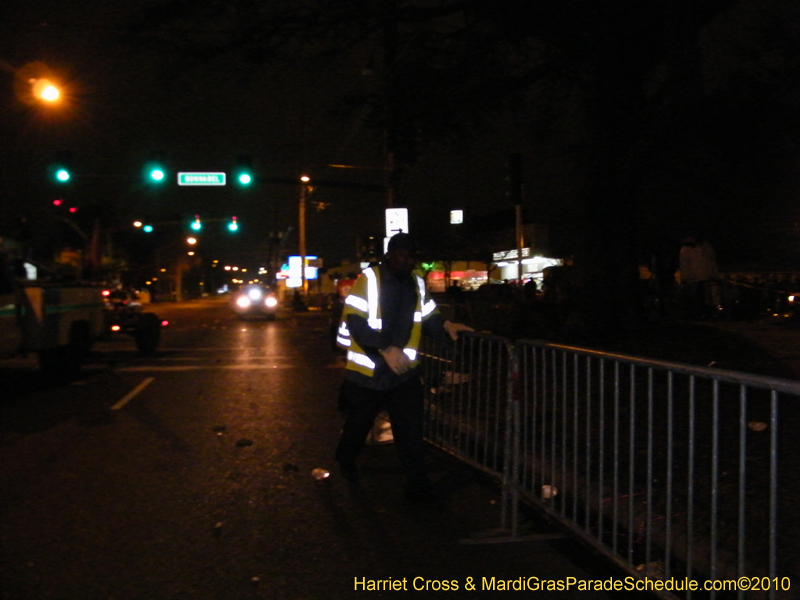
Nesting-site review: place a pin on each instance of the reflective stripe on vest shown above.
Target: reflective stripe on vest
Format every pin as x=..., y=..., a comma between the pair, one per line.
x=361, y=359
x=372, y=300
x=369, y=308
x=343, y=336
x=428, y=306
x=357, y=303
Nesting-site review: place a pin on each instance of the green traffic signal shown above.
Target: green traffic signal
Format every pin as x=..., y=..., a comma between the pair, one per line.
x=147, y=228
x=154, y=171
x=243, y=172
x=233, y=225
x=197, y=225
x=60, y=169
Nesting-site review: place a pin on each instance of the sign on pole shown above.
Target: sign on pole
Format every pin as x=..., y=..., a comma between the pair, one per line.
x=202, y=178
x=396, y=221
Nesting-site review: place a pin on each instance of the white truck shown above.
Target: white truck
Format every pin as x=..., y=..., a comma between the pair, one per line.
x=57, y=321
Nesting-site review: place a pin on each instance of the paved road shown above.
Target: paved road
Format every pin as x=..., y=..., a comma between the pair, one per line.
x=779, y=336
x=189, y=475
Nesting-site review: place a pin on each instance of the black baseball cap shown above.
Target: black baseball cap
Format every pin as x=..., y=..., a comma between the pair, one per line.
x=402, y=241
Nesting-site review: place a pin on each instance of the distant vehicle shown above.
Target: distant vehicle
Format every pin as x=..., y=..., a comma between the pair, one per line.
x=124, y=314
x=255, y=301
x=793, y=306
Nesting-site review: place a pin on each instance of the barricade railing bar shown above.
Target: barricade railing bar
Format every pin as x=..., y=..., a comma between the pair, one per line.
x=672, y=470
x=467, y=402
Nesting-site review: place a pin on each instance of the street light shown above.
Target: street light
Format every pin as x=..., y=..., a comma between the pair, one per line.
x=304, y=180
x=44, y=89
x=34, y=83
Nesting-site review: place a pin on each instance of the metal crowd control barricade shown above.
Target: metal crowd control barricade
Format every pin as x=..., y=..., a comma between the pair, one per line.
x=468, y=388
x=671, y=470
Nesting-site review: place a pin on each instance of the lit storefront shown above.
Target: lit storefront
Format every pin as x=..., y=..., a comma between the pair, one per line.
x=533, y=266
x=467, y=275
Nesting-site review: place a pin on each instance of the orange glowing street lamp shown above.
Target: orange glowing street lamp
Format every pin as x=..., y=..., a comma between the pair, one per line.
x=44, y=89
x=35, y=83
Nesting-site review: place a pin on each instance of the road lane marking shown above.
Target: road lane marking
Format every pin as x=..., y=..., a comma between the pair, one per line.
x=133, y=393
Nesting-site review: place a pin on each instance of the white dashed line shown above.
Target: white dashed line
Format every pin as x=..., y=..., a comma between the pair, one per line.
x=133, y=393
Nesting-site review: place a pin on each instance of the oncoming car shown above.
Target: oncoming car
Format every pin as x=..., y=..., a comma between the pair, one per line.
x=254, y=300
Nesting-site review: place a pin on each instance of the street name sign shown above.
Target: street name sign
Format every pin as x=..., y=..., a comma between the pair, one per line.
x=202, y=178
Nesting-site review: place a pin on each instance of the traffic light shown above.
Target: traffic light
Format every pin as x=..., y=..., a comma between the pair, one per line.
x=61, y=169
x=196, y=225
x=243, y=174
x=155, y=173
x=145, y=225
x=233, y=225
x=60, y=202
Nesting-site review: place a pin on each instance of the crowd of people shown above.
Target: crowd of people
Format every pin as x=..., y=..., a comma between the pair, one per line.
x=693, y=287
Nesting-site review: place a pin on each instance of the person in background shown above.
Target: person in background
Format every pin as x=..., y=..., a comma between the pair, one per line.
x=698, y=270
x=384, y=318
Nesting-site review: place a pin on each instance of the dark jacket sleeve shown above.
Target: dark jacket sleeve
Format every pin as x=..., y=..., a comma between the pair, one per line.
x=434, y=327
x=365, y=336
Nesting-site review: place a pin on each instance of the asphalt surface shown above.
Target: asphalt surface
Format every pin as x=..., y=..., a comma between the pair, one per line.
x=778, y=336
x=203, y=486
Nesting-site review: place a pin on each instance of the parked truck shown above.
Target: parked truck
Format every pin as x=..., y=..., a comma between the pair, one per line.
x=58, y=321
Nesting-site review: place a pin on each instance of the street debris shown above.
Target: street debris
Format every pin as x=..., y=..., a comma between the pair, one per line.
x=653, y=569
x=757, y=425
x=244, y=442
x=549, y=491
x=320, y=474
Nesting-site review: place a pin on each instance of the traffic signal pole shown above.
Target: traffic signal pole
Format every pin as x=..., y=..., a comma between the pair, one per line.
x=302, y=233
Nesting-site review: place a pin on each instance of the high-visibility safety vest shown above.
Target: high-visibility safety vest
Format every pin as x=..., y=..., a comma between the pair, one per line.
x=364, y=301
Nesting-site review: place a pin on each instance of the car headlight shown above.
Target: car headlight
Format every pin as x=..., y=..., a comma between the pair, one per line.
x=254, y=294
x=271, y=302
x=243, y=302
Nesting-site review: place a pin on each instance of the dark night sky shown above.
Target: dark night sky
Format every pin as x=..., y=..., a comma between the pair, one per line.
x=120, y=109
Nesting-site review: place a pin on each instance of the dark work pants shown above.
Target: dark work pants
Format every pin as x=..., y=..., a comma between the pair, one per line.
x=405, y=407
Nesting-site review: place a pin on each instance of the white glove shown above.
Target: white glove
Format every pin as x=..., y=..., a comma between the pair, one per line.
x=397, y=360
x=452, y=329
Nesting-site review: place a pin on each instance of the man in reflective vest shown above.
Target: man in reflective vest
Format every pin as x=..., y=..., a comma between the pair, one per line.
x=384, y=317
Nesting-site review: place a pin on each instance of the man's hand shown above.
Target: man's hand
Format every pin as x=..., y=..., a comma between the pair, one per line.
x=453, y=329
x=397, y=360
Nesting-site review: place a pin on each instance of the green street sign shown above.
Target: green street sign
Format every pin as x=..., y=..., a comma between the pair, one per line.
x=201, y=178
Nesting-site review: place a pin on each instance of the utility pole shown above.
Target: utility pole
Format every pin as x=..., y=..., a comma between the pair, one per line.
x=389, y=42
x=302, y=231
x=515, y=194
